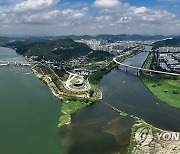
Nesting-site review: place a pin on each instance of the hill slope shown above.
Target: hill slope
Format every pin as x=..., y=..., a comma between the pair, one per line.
x=59, y=50
x=175, y=42
x=22, y=45
x=125, y=37
x=65, y=49
x=120, y=37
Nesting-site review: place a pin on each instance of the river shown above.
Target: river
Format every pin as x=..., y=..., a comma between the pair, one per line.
x=126, y=92
x=99, y=129
x=29, y=113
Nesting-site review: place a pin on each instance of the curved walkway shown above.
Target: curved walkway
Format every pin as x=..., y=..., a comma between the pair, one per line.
x=67, y=84
x=143, y=69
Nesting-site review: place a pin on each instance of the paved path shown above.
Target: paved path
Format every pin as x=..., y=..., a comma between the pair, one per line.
x=67, y=84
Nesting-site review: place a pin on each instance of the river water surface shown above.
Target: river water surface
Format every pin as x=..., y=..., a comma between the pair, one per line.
x=99, y=129
x=29, y=112
x=126, y=92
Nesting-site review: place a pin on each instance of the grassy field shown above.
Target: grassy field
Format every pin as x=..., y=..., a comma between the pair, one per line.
x=68, y=108
x=148, y=61
x=167, y=90
x=132, y=54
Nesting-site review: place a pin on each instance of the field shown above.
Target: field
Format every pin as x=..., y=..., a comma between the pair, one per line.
x=167, y=90
x=68, y=108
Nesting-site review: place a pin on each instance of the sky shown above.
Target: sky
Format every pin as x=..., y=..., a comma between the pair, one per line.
x=89, y=17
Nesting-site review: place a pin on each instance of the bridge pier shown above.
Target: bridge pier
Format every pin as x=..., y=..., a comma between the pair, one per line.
x=14, y=63
x=144, y=69
x=137, y=72
x=126, y=69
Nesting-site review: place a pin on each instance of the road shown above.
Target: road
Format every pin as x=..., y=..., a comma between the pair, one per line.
x=143, y=69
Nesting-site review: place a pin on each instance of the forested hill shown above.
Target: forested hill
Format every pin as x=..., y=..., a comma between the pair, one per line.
x=175, y=42
x=22, y=46
x=62, y=49
x=65, y=49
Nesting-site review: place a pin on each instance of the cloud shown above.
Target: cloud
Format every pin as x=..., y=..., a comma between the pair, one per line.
x=75, y=5
x=140, y=10
x=41, y=18
x=103, y=16
x=106, y=3
x=168, y=0
x=30, y=5
x=74, y=14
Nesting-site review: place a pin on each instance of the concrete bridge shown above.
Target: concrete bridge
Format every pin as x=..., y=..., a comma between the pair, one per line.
x=143, y=69
x=14, y=63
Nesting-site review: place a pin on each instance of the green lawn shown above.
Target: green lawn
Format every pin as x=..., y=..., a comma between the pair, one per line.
x=163, y=88
x=72, y=106
x=68, y=108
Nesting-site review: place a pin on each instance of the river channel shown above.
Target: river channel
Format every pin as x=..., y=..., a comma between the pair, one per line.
x=99, y=129
x=29, y=113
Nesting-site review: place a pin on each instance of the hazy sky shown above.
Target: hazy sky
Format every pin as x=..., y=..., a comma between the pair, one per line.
x=66, y=17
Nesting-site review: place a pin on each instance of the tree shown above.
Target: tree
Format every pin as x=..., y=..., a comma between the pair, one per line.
x=91, y=93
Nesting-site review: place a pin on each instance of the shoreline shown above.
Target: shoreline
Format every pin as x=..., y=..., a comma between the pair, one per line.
x=53, y=87
x=155, y=145
x=79, y=100
x=158, y=146
x=133, y=148
x=160, y=86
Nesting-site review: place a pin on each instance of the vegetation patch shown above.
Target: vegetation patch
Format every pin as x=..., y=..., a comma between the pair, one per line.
x=131, y=54
x=165, y=88
x=64, y=120
x=68, y=108
x=169, y=86
x=97, y=76
x=139, y=124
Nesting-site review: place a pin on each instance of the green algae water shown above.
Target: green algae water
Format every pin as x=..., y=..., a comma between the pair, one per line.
x=29, y=112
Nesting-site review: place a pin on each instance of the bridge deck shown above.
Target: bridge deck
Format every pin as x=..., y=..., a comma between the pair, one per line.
x=143, y=69
x=14, y=63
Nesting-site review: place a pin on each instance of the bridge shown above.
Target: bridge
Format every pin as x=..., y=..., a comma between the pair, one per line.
x=143, y=69
x=14, y=63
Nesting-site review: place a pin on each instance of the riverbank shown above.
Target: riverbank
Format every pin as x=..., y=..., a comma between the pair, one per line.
x=133, y=145
x=156, y=146
x=97, y=76
x=153, y=143
x=71, y=101
x=29, y=112
x=167, y=89
x=156, y=141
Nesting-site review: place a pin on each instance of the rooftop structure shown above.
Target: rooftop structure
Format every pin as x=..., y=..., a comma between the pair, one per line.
x=168, y=58
x=79, y=82
x=108, y=46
